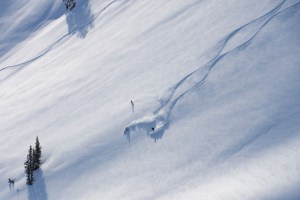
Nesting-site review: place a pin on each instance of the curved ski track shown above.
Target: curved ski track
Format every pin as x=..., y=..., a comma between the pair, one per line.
x=51, y=46
x=160, y=117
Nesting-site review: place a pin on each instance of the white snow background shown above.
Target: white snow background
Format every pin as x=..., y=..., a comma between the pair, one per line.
x=219, y=81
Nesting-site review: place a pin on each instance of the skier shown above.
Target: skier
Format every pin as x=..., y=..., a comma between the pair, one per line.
x=132, y=106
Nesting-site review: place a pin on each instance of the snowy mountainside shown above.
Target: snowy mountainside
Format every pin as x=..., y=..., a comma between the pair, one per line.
x=217, y=81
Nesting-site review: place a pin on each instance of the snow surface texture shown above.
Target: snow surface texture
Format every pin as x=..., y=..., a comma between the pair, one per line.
x=218, y=81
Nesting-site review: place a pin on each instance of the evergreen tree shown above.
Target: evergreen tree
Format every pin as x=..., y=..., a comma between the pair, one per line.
x=29, y=167
x=37, y=155
x=34, y=158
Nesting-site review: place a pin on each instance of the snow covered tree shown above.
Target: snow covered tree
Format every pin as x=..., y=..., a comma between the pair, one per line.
x=29, y=167
x=37, y=155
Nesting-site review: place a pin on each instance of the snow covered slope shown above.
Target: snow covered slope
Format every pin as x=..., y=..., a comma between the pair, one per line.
x=218, y=81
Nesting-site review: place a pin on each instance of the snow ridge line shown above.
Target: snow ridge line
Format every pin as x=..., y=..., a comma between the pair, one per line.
x=159, y=120
x=51, y=46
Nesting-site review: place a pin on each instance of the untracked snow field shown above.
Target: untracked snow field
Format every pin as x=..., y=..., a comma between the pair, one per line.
x=215, y=87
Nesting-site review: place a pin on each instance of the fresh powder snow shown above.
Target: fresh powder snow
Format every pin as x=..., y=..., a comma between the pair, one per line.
x=151, y=99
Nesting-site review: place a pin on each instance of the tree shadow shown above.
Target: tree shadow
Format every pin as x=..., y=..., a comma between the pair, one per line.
x=80, y=19
x=26, y=25
x=11, y=187
x=38, y=191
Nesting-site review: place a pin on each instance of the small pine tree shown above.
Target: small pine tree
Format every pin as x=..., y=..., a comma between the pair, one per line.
x=37, y=155
x=34, y=158
x=29, y=167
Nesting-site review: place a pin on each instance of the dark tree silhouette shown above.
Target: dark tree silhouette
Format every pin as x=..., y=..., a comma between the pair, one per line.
x=29, y=167
x=37, y=155
x=34, y=158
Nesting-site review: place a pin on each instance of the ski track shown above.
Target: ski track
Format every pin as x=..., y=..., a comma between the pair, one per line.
x=51, y=46
x=159, y=119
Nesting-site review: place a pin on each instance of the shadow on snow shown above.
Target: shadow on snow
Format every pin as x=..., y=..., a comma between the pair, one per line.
x=156, y=123
x=38, y=190
x=80, y=19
